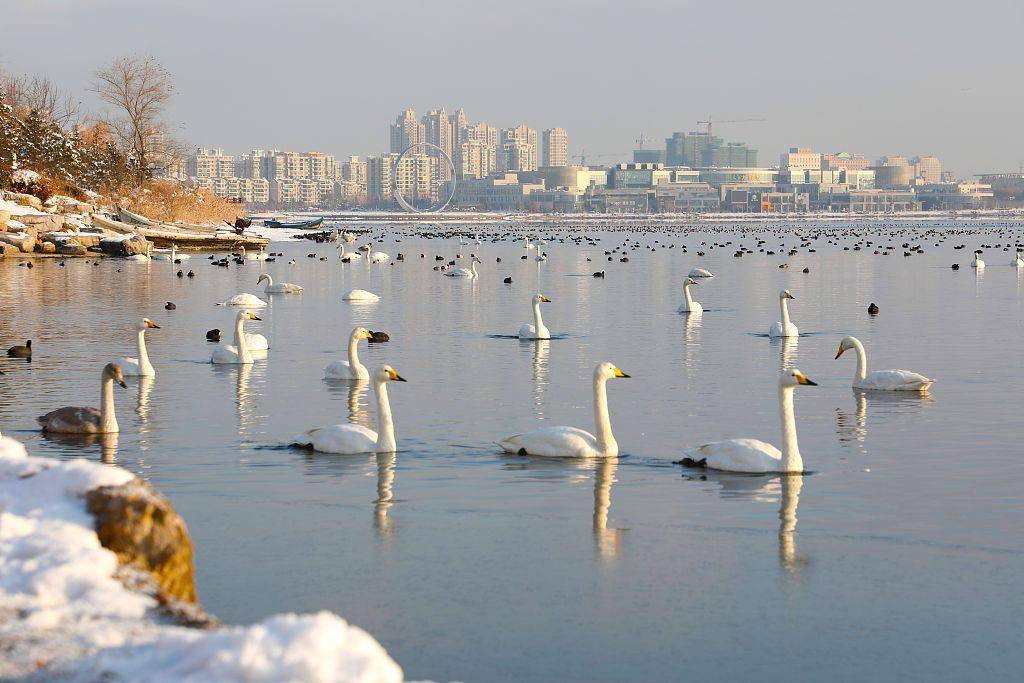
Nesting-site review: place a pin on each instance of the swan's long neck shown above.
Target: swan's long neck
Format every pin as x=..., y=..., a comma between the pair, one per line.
x=341, y=250
x=353, y=356
x=686, y=295
x=108, y=419
x=785, y=312
x=144, y=363
x=474, y=269
x=862, y=362
x=270, y=281
x=791, y=460
x=385, y=425
x=605, y=440
x=240, y=343
x=538, y=321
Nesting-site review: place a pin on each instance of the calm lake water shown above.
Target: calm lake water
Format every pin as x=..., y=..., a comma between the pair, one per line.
x=900, y=556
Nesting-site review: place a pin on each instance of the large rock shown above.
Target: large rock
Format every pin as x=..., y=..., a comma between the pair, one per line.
x=46, y=247
x=8, y=249
x=127, y=245
x=4, y=217
x=71, y=248
x=25, y=200
x=43, y=222
x=142, y=528
x=25, y=241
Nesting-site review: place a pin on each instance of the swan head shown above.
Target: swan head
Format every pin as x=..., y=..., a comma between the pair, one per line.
x=362, y=333
x=386, y=373
x=147, y=324
x=476, y=259
x=263, y=277
x=112, y=371
x=794, y=378
x=846, y=344
x=608, y=370
x=690, y=281
x=247, y=315
x=541, y=299
x=786, y=294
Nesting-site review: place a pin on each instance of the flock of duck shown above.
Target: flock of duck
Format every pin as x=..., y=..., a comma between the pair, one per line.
x=733, y=455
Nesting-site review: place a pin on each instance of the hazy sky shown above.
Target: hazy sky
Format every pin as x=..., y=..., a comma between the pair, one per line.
x=904, y=77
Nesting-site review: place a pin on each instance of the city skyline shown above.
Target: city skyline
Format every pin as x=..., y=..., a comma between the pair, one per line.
x=835, y=91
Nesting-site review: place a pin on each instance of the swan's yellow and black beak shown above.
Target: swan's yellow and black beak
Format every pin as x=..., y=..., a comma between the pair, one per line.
x=790, y=296
x=840, y=351
x=545, y=299
x=620, y=373
x=253, y=316
x=803, y=379
x=367, y=334
x=152, y=325
x=395, y=377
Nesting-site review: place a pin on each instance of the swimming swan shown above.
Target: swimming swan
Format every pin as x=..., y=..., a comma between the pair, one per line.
x=240, y=351
x=784, y=328
x=280, y=287
x=359, y=295
x=570, y=442
x=537, y=329
x=1017, y=260
x=884, y=380
x=465, y=272
x=351, y=369
x=977, y=263
x=244, y=300
x=348, y=257
x=700, y=272
x=140, y=367
x=377, y=256
x=349, y=439
x=87, y=420
x=751, y=455
x=689, y=305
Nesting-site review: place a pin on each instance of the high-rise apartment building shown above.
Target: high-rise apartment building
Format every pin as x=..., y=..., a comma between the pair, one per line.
x=928, y=168
x=437, y=131
x=696, y=150
x=210, y=163
x=517, y=150
x=354, y=171
x=378, y=179
x=406, y=131
x=800, y=159
x=556, y=147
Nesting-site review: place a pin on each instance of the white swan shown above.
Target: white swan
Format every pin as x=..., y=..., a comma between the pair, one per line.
x=700, y=272
x=359, y=295
x=348, y=237
x=1017, y=260
x=171, y=254
x=350, y=369
x=280, y=287
x=465, y=272
x=784, y=328
x=884, y=380
x=527, y=244
x=376, y=256
x=751, y=455
x=350, y=439
x=977, y=263
x=570, y=442
x=244, y=300
x=537, y=330
x=140, y=367
x=258, y=256
x=240, y=351
x=88, y=420
x=689, y=305
x=348, y=257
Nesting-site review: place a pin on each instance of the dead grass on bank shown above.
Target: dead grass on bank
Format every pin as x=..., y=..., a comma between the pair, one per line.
x=167, y=201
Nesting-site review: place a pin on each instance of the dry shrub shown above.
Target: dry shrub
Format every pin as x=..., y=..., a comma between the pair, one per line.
x=168, y=201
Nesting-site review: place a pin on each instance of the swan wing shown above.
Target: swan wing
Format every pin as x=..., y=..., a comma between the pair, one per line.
x=71, y=420
x=895, y=380
x=130, y=366
x=359, y=295
x=225, y=354
x=341, y=369
x=553, y=442
x=256, y=342
x=778, y=330
x=738, y=455
x=247, y=300
x=345, y=439
x=527, y=331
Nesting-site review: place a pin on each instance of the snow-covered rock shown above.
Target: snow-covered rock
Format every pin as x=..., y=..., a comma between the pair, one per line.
x=26, y=177
x=66, y=612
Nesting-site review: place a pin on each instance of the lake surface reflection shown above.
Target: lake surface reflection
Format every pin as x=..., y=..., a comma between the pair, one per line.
x=900, y=555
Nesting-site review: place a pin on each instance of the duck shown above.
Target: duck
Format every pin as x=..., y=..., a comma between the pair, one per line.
x=21, y=351
x=280, y=287
x=784, y=328
x=140, y=367
x=352, y=439
x=239, y=353
x=873, y=309
x=465, y=272
x=245, y=301
x=536, y=330
x=882, y=380
x=700, y=272
x=689, y=305
x=379, y=337
x=752, y=456
x=359, y=295
x=350, y=370
x=88, y=420
x=213, y=335
x=170, y=306
x=571, y=442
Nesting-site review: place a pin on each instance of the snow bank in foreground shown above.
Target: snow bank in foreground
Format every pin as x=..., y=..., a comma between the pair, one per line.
x=63, y=609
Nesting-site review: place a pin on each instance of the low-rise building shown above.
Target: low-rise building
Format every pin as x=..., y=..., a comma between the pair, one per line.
x=502, y=193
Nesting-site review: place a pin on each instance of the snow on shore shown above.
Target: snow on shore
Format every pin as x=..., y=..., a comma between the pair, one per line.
x=65, y=616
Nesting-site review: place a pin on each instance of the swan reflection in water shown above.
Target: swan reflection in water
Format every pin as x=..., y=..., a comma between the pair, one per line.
x=384, y=525
x=788, y=348
x=541, y=349
x=107, y=443
x=142, y=406
x=356, y=397
x=791, y=485
x=607, y=541
x=691, y=336
x=852, y=426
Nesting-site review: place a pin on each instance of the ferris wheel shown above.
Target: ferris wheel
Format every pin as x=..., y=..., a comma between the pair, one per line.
x=437, y=194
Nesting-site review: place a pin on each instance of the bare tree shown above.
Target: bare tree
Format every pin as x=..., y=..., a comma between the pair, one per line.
x=39, y=94
x=139, y=89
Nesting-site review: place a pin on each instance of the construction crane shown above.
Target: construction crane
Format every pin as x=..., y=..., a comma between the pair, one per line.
x=711, y=121
x=582, y=156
